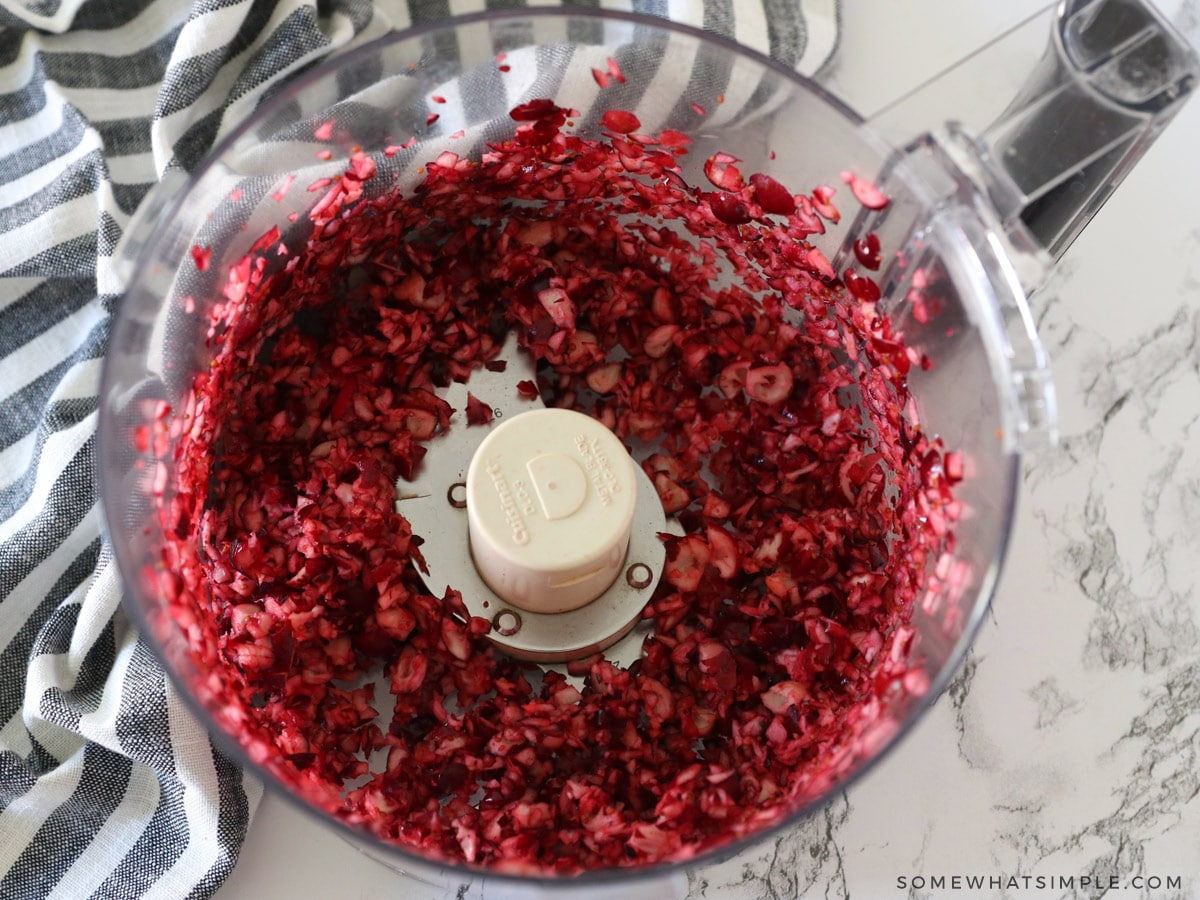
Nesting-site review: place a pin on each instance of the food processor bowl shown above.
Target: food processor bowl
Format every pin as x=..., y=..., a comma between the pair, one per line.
x=951, y=272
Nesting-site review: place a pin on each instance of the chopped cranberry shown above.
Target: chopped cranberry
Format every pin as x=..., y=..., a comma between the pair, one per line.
x=718, y=341
x=478, y=412
x=822, y=200
x=677, y=140
x=284, y=187
x=201, y=256
x=867, y=251
x=535, y=110
x=729, y=208
x=772, y=196
x=770, y=384
x=621, y=121
x=864, y=192
x=721, y=171
x=861, y=287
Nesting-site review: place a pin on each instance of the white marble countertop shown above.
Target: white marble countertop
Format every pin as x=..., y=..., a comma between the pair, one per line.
x=1069, y=745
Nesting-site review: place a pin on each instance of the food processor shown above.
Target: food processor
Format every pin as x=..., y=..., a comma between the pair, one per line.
x=557, y=541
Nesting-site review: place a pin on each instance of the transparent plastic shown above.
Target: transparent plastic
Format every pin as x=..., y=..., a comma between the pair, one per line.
x=1048, y=118
x=987, y=392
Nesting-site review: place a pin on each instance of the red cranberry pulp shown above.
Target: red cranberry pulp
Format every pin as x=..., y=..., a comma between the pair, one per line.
x=765, y=396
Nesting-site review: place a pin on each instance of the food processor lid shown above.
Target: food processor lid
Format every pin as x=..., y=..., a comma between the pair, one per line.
x=1046, y=143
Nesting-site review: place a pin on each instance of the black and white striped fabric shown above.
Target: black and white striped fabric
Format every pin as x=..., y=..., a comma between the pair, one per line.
x=108, y=788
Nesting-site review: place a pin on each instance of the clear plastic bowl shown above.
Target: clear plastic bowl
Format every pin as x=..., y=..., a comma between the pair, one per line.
x=986, y=394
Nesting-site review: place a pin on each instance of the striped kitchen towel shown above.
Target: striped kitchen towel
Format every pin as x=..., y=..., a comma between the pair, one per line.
x=108, y=788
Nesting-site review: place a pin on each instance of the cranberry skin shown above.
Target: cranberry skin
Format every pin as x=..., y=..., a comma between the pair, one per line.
x=621, y=121
x=729, y=208
x=863, y=289
x=201, y=256
x=865, y=192
x=478, y=412
x=867, y=251
x=772, y=196
x=721, y=170
x=537, y=110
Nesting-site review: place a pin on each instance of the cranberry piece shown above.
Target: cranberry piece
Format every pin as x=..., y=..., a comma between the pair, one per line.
x=621, y=121
x=867, y=251
x=862, y=288
x=864, y=191
x=452, y=777
x=201, y=256
x=772, y=196
x=811, y=523
x=537, y=110
x=721, y=170
x=770, y=384
x=729, y=208
x=478, y=412
x=676, y=140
